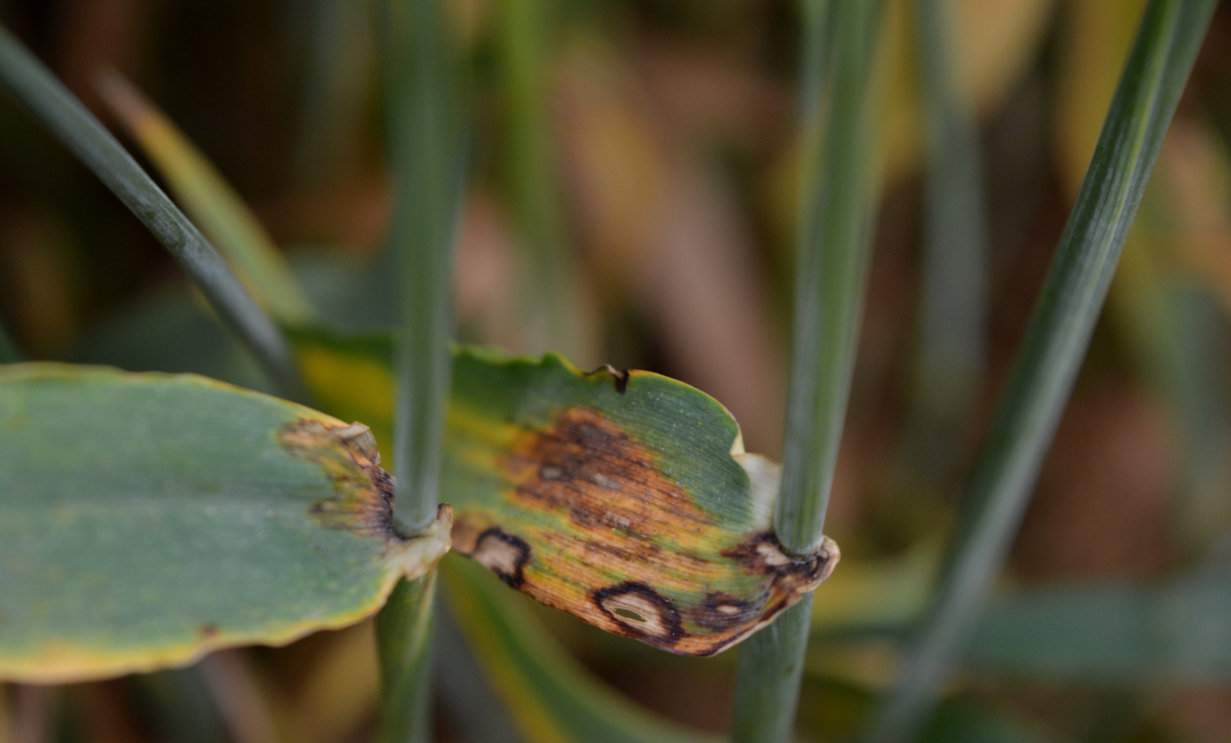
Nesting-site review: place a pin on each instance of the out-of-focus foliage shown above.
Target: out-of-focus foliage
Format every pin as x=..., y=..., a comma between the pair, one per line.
x=673, y=154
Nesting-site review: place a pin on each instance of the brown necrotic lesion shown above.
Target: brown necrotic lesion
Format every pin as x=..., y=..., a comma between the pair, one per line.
x=506, y=555
x=589, y=523
x=585, y=466
x=363, y=492
x=641, y=612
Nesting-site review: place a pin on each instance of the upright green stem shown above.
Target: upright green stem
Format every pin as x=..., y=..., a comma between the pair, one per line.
x=832, y=264
x=21, y=73
x=1145, y=100
x=221, y=213
x=403, y=637
x=423, y=146
x=951, y=307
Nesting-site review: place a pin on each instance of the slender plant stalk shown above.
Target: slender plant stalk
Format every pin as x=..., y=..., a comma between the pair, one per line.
x=1145, y=100
x=832, y=265
x=423, y=147
x=222, y=214
x=403, y=637
x=815, y=61
x=35, y=86
x=544, y=288
x=951, y=313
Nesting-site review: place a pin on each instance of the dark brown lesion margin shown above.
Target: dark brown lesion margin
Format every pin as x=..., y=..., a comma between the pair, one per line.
x=348, y=455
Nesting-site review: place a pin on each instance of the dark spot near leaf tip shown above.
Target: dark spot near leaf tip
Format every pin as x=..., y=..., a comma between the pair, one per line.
x=722, y=611
x=208, y=630
x=504, y=554
x=641, y=612
x=619, y=377
x=765, y=554
x=362, y=500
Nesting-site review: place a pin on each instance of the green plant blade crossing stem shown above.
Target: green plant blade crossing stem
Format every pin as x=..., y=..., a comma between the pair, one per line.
x=833, y=258
x=1167, y=42
x=423, y=146
x=230, y=224
x=30, y=81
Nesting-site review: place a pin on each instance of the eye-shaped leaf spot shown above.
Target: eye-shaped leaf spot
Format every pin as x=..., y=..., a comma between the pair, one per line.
x=503, y=554
x=641, y=611
x=721, y=611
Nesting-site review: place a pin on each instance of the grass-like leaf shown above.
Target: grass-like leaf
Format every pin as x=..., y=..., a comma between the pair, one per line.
x=30, y=81
x=1167, y=43
x=623, y=498
x=150, y=518
x=222, y=215
x=832, y=264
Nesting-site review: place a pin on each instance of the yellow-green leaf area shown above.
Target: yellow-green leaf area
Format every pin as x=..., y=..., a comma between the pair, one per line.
x=623, y=498
x=150, y=518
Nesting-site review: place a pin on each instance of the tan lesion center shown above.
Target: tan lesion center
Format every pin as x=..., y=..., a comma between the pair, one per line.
x=639, y=613
x=498, y=555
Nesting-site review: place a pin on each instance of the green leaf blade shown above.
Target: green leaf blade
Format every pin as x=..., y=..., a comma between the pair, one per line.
x=596, y=493
x=152, y=518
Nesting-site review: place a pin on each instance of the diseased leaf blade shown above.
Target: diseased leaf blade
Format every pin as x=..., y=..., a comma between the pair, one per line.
x=150, y=518
x=623, y=498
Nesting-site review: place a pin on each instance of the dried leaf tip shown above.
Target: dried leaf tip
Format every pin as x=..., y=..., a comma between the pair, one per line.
x=364, y=492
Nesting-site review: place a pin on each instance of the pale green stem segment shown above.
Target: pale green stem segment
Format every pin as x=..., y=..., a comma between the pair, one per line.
x=1059, y=332
x=31, y=82
x=544, y=273
x=230, y=224
x=951, y=308
x=423, y=144
x=832, y=265
x=403, y=634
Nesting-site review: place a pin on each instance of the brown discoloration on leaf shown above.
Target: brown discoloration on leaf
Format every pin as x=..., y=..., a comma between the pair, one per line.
x=348, y=455
x=208, y=631
x=504, y=554
x=603, y=533
x=586, y=466
x=640, y=612
x=363, y=493
x=792, y=574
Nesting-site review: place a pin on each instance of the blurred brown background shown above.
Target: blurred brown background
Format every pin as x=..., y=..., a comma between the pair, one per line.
x=672, y=151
